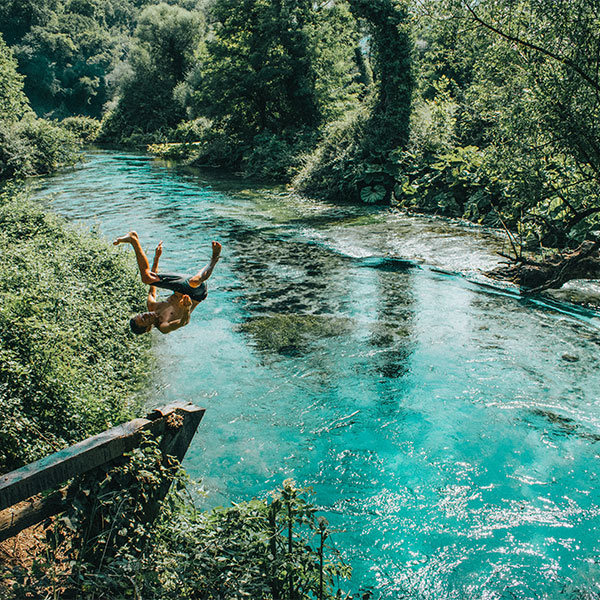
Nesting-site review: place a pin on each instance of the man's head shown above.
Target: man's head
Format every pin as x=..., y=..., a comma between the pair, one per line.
x=142, y=322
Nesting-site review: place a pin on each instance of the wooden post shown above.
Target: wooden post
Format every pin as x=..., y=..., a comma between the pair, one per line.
x=177, y=424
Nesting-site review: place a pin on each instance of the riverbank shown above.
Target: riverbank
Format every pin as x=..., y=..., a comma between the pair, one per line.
x=69, y=369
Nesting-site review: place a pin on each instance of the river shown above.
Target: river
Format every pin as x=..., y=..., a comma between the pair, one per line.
x=450, y=430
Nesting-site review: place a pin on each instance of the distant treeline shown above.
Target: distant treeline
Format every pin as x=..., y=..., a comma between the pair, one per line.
x=483, y=110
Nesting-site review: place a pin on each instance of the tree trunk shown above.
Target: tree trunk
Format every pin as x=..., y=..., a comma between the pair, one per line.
x=533, y=277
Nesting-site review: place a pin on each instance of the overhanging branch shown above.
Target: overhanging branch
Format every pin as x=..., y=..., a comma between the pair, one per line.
x=557, y=57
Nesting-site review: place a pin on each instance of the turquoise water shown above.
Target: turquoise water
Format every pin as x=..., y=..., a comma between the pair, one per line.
x=449, y=430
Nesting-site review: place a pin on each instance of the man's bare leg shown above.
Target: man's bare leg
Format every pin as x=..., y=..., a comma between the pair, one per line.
x=206, y=271
x=142, y=260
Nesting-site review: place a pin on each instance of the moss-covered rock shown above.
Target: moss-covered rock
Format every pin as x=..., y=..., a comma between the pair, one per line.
x=293, y=333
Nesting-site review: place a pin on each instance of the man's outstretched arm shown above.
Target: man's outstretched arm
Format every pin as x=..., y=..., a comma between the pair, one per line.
x=152, y=291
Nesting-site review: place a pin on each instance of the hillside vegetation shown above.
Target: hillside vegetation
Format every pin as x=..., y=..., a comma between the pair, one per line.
x=69, y=367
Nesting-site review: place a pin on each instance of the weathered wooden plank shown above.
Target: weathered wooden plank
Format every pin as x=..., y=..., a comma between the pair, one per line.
x=70, y=462
x=25, y=514
x=51, y=471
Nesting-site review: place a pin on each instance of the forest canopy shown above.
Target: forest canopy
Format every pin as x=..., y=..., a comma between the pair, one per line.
x=484, y=110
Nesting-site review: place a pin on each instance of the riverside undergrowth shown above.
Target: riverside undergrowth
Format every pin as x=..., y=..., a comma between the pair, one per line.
x=69, y=367
x=103, y=547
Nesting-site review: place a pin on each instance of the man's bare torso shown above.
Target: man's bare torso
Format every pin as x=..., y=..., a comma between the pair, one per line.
x=172, y=308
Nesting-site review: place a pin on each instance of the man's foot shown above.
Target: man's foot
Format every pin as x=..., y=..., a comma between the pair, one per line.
x=128, y=238
x=206, y=272
x=216, y=251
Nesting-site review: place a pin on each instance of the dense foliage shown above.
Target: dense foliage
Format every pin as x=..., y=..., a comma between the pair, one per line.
x=104, y=547
x=66, y=50
x=356, y=159
x=69, y=368
x=28, y=145
x=509, y=92
x=163, y=50
x=482, y=110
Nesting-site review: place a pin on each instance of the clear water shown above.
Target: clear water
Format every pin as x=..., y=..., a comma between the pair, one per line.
x=449, y=430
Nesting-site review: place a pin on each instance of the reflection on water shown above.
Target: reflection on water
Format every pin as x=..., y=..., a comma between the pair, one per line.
x=450, y=431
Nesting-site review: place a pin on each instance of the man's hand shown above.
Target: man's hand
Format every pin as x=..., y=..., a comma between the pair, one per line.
x=186, y=301
x=158, y=251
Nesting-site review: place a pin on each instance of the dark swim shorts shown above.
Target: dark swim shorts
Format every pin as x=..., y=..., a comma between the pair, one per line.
x=180, y=283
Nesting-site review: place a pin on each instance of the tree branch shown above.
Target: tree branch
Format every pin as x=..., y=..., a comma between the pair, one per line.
x=561, y=59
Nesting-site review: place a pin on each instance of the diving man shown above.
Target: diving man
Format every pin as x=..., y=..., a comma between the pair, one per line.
x=188, y=291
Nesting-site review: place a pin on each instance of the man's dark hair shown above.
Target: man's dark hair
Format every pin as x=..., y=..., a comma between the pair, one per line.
x=137, y=329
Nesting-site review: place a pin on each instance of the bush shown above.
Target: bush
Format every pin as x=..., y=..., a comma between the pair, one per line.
x=271, y=156
x=104, y=547
x=453, y=184
x=332, y=170
x=219, y=149
x=192, y=131
x=85, y=129
x=69, y=367
x=16, y=153
x=33, y=147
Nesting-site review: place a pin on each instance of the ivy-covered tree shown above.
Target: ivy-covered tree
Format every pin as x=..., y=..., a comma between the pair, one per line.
x=390, y=44
x=357, y=158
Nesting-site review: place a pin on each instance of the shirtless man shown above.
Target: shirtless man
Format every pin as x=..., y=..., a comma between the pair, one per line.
x=188, y=291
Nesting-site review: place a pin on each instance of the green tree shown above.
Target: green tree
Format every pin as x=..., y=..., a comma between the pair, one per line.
x=28, y=146
x=258, y=74
x=538, y=90
x=13, y=102
x=67, y=49
x=274, y=66
x=164, y=49
x=18, y=16
x=66, y=61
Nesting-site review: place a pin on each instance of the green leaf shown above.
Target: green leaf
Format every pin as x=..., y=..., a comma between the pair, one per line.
x=372, y=194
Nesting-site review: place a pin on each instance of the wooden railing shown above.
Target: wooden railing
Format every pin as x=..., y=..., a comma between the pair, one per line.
x=21, y=505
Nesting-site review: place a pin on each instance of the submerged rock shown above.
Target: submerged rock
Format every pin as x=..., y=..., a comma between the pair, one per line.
x=292, y=334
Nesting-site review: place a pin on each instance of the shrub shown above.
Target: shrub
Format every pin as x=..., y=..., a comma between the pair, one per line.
x=85, y=129
x=53, y=146
x=273, y=156
x=192, y=131
x=349, y=166
x=69, y=367
x=33, y=147
x=220, y=149
x=104, y=548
